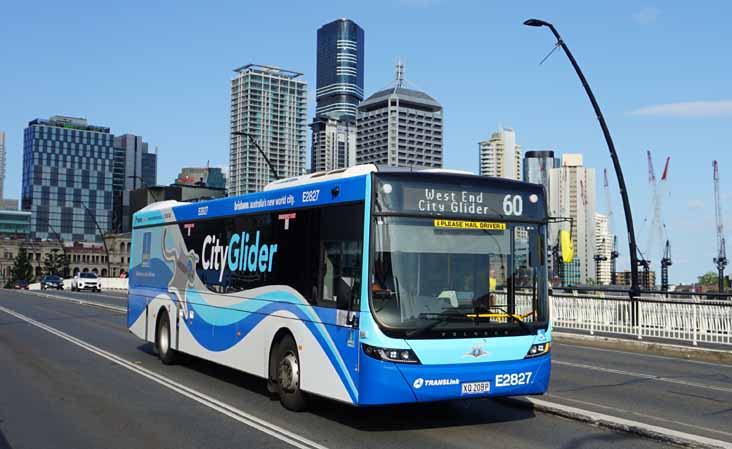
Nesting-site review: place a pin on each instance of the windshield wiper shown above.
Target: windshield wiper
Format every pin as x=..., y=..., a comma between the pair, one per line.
x=439, y=319
x=514, y=317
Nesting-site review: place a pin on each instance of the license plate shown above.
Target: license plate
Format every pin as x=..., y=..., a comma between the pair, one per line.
x=475, y=387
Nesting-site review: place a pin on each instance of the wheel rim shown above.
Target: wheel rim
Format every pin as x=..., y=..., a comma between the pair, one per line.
x=289, y=373
x=164, y=340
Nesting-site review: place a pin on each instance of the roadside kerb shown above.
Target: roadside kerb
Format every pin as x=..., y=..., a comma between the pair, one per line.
x=620, y=424
x=645, y=347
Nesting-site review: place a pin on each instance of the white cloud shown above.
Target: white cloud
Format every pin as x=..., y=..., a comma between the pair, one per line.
x=688, y=109
x=646, y=16
x=695, y=204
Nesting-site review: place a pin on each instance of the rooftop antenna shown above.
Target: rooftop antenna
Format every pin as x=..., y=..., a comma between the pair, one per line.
x=399, y=74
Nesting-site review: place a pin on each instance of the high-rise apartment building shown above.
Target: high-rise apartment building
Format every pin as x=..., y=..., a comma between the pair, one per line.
x=340, y=69
x=2, y=165
x=134, y=167
x=572, y=196
x=500, y=156
x=400, y=127
x=339, y=91
x=603, y=249
x=333, y=144
x=67, y=178
x=270, y=105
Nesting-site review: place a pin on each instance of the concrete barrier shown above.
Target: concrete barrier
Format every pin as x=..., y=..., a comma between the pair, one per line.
x=107, y=284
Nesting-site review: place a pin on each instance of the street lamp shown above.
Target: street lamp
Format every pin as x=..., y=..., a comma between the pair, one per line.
x=254, y=141
x=634, y=287
x=99, y=228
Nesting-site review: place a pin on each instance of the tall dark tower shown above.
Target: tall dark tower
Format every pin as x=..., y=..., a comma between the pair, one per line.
x=340, y=69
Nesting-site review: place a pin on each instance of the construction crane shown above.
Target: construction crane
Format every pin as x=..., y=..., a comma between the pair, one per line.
x=665, y=263
x=657, y=227
x=721, y=260
x=611, y=227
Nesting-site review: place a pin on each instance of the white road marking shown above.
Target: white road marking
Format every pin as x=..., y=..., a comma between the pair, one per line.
x=80, y=301
x=626, y=425
x=642, y=376
x=239, y=415
x=644, y=355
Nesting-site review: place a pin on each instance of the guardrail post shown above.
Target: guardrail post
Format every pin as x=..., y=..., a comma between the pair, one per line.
x=693, y=324
x=636, y=306
x=592, y=316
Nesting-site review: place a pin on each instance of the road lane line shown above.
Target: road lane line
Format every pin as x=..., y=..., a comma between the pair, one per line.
x=622, y=424
x=80, y=301
x=243, y=417
x=642, y=376
x=638, y=354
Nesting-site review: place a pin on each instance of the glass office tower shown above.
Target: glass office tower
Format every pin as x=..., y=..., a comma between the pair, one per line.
x=340, y=69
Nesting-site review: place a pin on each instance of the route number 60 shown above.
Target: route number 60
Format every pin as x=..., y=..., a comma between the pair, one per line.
x=513, y=205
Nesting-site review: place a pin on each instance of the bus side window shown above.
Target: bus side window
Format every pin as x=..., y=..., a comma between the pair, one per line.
x=341, y=241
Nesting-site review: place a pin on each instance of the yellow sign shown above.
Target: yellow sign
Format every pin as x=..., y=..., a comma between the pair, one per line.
x=567, y=248
x=462, y=224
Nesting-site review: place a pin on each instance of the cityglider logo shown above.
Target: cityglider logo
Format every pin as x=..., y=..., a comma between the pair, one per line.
x=239, y=255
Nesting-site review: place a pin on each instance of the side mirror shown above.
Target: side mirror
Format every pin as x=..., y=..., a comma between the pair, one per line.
x=565, y=239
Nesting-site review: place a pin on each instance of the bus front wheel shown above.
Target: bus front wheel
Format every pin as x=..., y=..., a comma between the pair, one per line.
x=162, y=341
x=288, y=376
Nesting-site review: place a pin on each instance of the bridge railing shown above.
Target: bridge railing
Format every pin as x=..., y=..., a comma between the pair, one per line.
x=687, y=320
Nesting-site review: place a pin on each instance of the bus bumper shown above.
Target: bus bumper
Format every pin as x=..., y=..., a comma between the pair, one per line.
x=392, y=383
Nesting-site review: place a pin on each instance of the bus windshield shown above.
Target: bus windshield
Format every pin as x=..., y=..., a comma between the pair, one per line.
x=446, y=275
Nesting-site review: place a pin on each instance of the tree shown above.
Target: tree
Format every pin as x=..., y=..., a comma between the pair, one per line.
x=54, y=263
x=710, y=278
x=22, y=269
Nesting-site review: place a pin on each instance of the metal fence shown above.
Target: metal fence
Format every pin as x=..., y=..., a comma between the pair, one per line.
x=692, y=320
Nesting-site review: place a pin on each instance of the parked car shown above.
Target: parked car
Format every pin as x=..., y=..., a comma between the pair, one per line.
x=86, y=281
x=20, y=285
x=52, y=281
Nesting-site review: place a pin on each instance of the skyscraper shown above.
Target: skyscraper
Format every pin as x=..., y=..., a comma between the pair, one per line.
x=603, y=249
x=572, y=195
x=270, y=104
x=400, y=127
x=2, y=165
x=67, y=178
x=500, y=156
x=340, y=69
x=134, y=167
x=339, y=91
x=334, y=144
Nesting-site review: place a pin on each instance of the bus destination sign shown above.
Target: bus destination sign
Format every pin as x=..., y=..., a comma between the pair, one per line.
x=478, y=201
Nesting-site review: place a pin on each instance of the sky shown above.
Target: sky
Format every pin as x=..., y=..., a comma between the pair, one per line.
x=660, y=71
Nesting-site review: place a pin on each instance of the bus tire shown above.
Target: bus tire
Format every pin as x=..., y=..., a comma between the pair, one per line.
x=288, y=375
x=167, y=354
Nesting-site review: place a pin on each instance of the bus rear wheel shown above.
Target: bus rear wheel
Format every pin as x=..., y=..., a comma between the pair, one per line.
x=288, y=376
x=162, y=341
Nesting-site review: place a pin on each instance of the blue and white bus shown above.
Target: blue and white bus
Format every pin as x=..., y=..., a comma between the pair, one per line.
x=366, y=285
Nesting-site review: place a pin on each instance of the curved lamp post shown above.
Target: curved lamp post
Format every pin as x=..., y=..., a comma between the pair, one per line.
x=101, y=234
x=254, y=141
x=634, y=287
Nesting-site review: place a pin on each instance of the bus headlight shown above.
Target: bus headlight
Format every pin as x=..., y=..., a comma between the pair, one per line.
x=538, y=349
x=391, y=355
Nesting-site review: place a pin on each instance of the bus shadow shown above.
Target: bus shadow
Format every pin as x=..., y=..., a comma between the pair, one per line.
x=432, y=415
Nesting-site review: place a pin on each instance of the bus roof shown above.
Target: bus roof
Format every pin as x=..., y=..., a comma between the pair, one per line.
x=293, y=193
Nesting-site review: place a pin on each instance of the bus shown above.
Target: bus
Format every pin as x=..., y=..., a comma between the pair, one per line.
x=366, y=285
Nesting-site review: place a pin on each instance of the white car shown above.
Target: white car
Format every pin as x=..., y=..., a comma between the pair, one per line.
x=85, y=281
